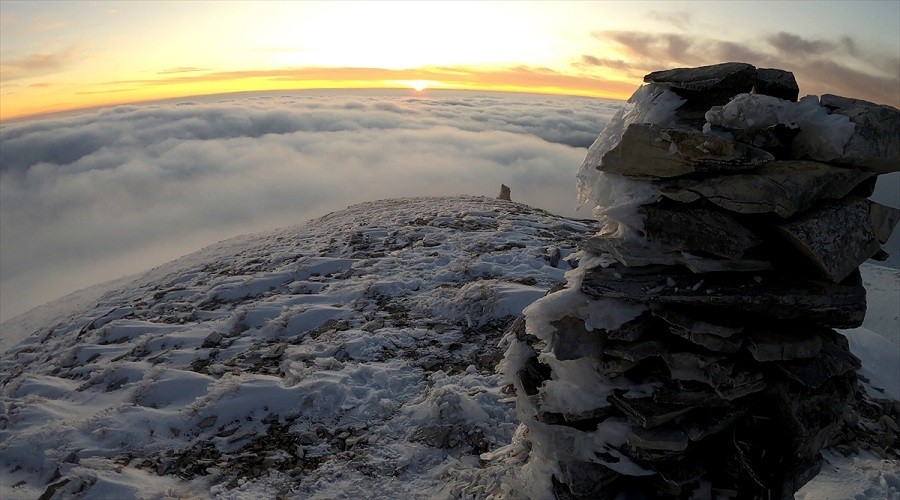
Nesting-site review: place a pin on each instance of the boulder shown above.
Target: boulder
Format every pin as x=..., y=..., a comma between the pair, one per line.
x=776, y=83
x=780, y=187
x=840, y=236
x=875, y=143
x=653, y=152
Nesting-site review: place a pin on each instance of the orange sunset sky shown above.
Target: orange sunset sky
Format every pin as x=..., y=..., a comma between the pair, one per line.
x=57, y=56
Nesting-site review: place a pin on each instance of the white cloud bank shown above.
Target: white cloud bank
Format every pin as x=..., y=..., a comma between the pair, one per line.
x=95, y=196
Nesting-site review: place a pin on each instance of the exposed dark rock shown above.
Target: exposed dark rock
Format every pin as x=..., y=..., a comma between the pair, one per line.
x=775, y=295
x=659, y=438
x=834, y=360
x=632, y=254
x=705, y=86
x=572, y=340
x=652, y=152
x=646, y=411
x=840, y=236
x=780, y=187
x=586, y=479
x=776, y=83
x=784, y=346
x=699, y=230
x=504, y=193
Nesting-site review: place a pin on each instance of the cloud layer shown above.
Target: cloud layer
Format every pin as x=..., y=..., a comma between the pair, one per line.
x=92, y=197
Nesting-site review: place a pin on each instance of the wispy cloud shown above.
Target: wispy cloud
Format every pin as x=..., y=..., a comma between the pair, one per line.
x=181, y=69
x=681, y=20
x=842, y=65
x=38, y=64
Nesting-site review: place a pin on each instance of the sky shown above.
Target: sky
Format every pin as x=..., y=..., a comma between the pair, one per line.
x=57, y=56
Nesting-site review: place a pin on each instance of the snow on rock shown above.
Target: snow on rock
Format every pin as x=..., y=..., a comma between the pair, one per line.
x=353, y=356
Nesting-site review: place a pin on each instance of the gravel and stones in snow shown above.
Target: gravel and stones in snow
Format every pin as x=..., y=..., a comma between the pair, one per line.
x=353, y=356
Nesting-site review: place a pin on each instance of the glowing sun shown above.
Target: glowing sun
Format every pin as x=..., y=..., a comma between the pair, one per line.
x=419, y=85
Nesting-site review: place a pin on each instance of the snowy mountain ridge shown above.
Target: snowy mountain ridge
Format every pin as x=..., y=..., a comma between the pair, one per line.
x=353, y=356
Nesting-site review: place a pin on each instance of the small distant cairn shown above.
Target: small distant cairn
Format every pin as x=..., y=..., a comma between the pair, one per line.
x=693, y=352
x=504, y=193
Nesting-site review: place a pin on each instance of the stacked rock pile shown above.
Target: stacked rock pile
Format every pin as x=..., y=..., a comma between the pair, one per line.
x=693, y=353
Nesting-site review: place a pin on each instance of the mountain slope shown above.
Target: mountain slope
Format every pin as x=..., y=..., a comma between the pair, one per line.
x=351, y=355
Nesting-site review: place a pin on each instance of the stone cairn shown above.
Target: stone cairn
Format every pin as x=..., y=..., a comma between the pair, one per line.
x=693, y=353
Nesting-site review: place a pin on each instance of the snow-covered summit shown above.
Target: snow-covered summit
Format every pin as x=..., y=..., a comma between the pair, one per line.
x=351, y=355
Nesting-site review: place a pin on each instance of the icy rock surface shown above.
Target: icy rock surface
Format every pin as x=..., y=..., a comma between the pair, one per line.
x=350, y=357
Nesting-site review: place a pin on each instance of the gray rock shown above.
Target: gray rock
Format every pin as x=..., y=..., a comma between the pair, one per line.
x=504, y=193
x=705, y=86
x=884, y=220
x=660, y=438
x=701, y=265
x=766, y=345
x=572, y=340
x=780, y=187
x=739, y=77
x=586, y=479
x=774, y=295
x=686, y=322
x=840, y=236
x=834, y=360
x=647, y=412
x=652, y=152
x=776, y=83
x=636, y=351
x=631, y=254
x=699, y=230
x=875, y=143
x=711, y=342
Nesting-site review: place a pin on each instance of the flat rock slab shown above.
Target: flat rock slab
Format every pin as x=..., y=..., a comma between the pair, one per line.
x=783, y=346
x=726, y=76
x=647, y=412
x=776, y=83
x=840, y=236
x=636, y=255
x=769, y=294
x=653, y=152
x=780, y=187
x=705, y=86
x=699, y=230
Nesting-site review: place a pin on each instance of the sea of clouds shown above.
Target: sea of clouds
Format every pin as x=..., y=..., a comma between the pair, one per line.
x=94, y=196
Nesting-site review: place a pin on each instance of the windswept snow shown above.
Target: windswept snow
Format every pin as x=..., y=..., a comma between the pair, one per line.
x=351, y=357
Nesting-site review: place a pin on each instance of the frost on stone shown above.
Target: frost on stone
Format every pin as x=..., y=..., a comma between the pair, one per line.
x=651, y=103
x=822, y=136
